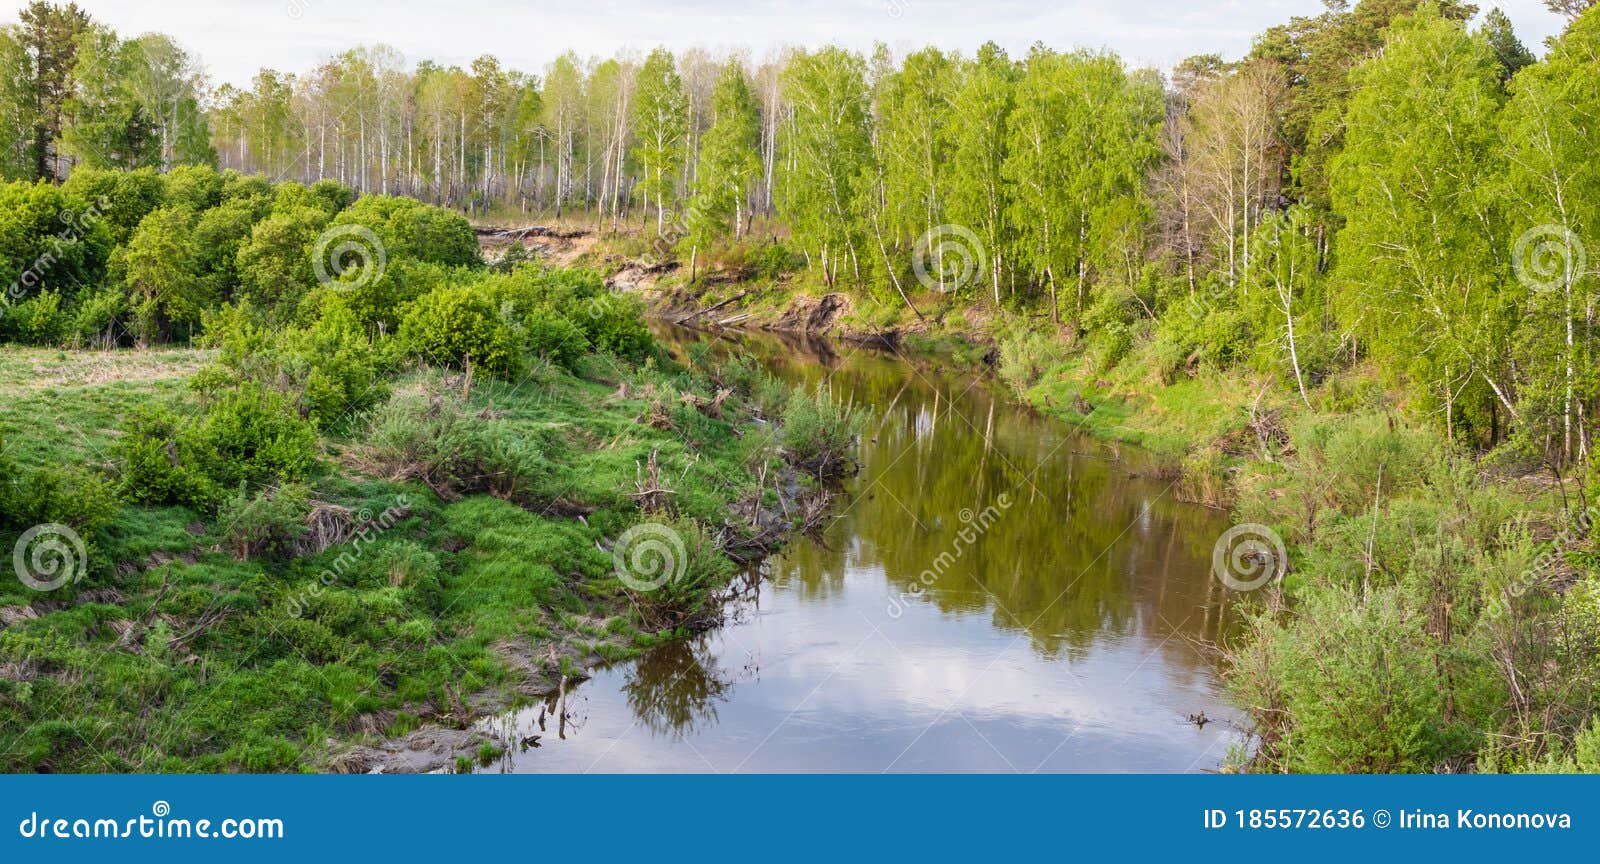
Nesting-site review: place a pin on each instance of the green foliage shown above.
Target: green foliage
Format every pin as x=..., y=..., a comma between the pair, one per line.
x=331, y=371
x=408, y=228
x=661, y=126
x=265, y=524
x=453, y=451
x=163, y=282
x=615, y=323
x=457, y=324
x=819, y=434
x=274, y=266
x=50, y=240
x=248, y=435
x=37, y=320
x=121, y=198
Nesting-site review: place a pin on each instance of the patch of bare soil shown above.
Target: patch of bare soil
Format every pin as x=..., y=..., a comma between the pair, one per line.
x=813, y=315
x=558, y=246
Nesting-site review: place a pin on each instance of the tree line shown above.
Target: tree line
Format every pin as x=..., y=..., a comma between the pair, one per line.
x=1385, y=181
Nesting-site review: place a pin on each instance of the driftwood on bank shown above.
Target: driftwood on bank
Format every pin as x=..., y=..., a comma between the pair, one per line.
x=709, y=309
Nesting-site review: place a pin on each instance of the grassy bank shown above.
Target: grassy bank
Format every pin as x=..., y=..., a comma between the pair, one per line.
x=1437, y=606
x=375, y=595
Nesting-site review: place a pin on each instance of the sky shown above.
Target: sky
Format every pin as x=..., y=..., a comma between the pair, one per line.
x=236, y=38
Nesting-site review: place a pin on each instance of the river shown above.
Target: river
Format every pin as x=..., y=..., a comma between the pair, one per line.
x=997, y=593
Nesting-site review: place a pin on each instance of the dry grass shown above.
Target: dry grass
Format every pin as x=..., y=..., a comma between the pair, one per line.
x=24, y=369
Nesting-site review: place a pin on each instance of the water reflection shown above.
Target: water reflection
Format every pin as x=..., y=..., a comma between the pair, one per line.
x=995, y=593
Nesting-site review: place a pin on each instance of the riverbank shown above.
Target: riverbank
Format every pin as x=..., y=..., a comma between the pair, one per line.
x=369, y=623
x=1420, y=611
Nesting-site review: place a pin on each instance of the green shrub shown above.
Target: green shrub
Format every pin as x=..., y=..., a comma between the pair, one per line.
x=554, y=338
x=50, y=240
x=615, y=323
x=265, y=524
x=776, y=259
x=818, y=434
x=37, y=320
x=455, y=452
x=197, y=187
x=687, y=595
x=122, y=198
x=1358, y=685
x=253, y=435
x=1025, y=357
x=408, y=228
x=154, y=466
x=98, y=317
x=451, y=325
x=331, y=371
x=78, y=499
x=274, y=265
x=249, y=435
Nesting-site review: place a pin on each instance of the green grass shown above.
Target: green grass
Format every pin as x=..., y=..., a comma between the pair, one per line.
x=174, y=656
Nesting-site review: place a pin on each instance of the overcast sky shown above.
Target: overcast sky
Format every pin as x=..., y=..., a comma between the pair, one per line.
x=235, y=38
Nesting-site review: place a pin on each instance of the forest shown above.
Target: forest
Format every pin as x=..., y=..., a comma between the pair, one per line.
x=1346, y=276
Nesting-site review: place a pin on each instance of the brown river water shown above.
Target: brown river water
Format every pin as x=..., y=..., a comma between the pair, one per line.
x=997, y=593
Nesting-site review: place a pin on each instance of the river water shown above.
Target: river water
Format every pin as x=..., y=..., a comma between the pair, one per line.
x=997, y=593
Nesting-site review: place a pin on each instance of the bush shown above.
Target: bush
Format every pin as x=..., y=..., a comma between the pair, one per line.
x=249, y=435
x=121, y=198
x=161, y=276
x=98, y=316
x=408, y=228
x=266, y=524
x=454, y=324
x=35, y=321
x=775, y=259
x=50, y=240
x=689, y=598
x=154, y=470
x=253, y=435
x=615, y=323
x=274, y=265
x=554, y=338
x=454, y=452
x=818, y=434
x=1357, y=682
x=80, y=500
x=331, y=371
x=197, y=187
x=1025, y=357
